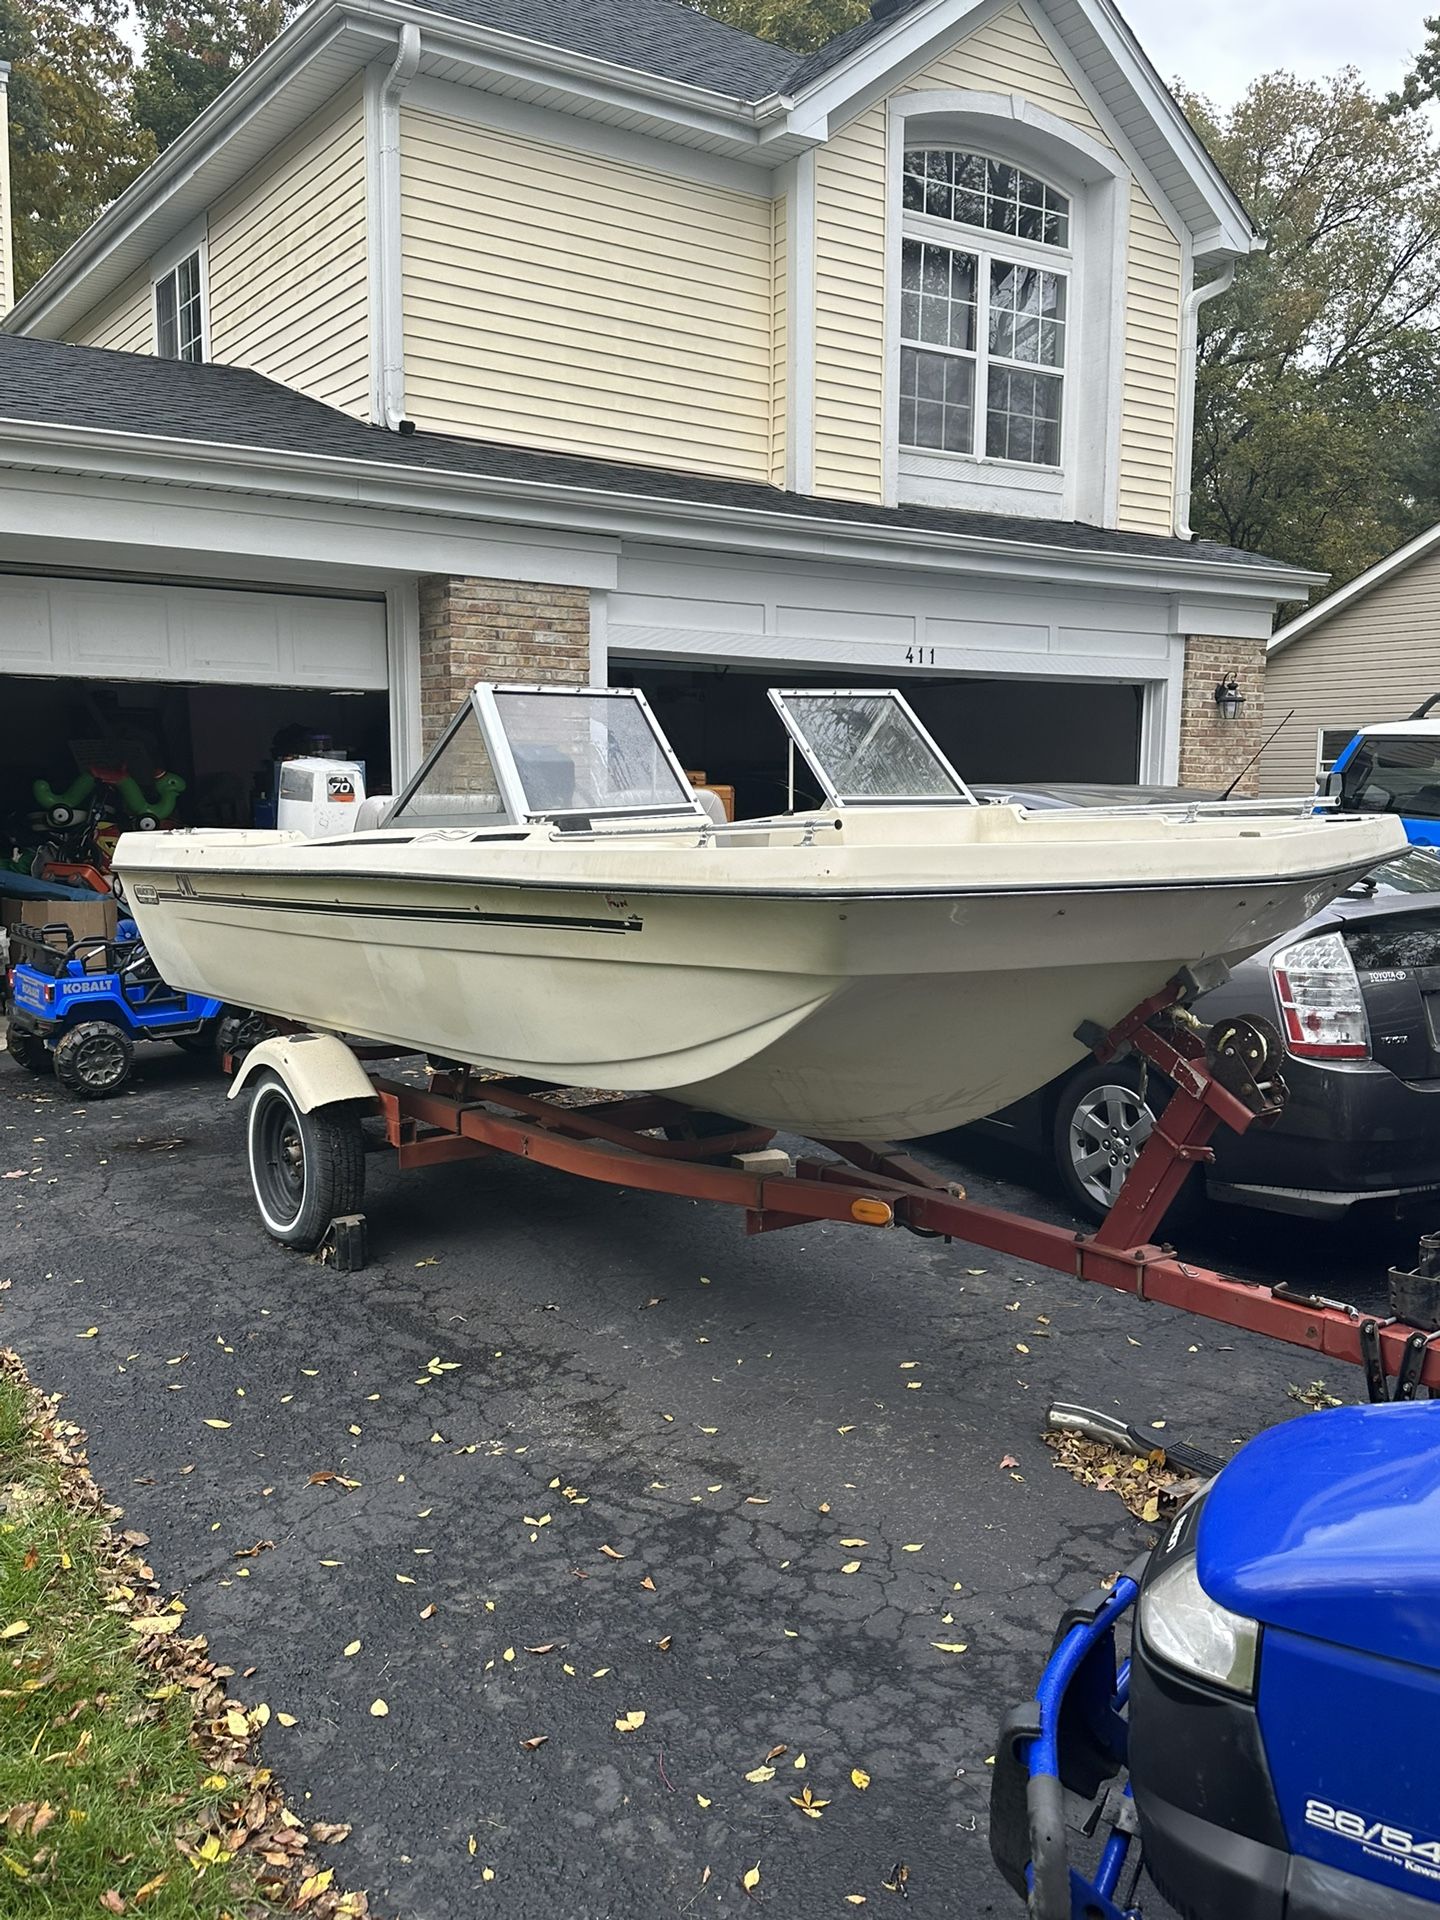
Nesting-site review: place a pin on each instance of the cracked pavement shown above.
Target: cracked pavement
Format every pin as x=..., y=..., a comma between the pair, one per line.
x=533, y=1368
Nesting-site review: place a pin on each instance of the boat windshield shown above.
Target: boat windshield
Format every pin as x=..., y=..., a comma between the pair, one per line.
x=590, y=752
x=868, y=749
x=525, y=753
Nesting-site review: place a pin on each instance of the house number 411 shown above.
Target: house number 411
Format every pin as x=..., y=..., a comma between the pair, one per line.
x=920, y=656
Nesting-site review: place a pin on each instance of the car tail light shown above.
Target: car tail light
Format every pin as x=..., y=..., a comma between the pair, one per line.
x=1320, y=1000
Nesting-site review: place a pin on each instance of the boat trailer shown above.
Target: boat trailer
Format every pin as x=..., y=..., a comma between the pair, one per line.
x=315, y=1089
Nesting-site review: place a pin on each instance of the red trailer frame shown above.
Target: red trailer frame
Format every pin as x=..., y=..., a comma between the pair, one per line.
x=1225, y=1076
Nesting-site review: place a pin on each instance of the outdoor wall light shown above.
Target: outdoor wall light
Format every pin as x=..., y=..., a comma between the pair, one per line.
x=1228, y=697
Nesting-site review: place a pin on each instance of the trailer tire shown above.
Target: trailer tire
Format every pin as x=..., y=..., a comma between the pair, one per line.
x=94, y=1059
x=28, y=1050
x=305, y=1168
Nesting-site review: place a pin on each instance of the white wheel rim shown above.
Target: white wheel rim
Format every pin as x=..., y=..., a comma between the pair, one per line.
x=275, y=1090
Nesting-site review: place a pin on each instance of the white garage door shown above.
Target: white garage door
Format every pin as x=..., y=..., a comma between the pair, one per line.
x=129, y=630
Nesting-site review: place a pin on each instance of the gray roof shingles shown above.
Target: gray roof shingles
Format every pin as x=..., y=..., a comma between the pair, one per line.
x=47, y=382
x=661, y=37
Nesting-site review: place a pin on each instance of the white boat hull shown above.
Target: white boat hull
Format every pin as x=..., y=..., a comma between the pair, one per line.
x=845, y=1011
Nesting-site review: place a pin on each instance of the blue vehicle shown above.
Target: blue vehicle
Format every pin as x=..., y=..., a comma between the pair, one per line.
x=1266, y=1750
x=1394, y=768
x=80, y=1006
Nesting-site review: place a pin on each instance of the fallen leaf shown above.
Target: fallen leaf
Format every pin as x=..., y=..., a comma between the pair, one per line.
x=217, y=1423
x=757, y=1776
x=859, y=1779
x=353, y=1648
x=1008, y=1460
x=286, y=1719
x=854, y=1543
x=855, y=1899
x=236, y=1724
x=535, y=1740
x=799, y=1761
x=630, y=1722
x=949, y=1646
x=611, y=1554
x=664, y=1645
x=916, y=1547
x=757, y=1500
x=428, y=1613
x=472, y=1844
x=649, y=1585
x=776, y=1753
x=111, y=1901
x=750, y=1879
x=14, y=1630
x=851, y=1566
x=378, y=1709
x=547, y=1646
x=899, y=1875
x=89, y=1334
x=702, y=1801
x=487, y=1873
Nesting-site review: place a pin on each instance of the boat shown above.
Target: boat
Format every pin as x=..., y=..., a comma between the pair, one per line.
x=550, y=898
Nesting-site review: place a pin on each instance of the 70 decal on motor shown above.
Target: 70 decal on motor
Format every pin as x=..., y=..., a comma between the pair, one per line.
x=1398, y=1844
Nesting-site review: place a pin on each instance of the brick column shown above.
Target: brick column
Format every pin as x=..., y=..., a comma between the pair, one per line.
x=1212, y=748
x=496, y=630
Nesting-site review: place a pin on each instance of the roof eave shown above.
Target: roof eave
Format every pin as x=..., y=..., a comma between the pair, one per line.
x=1354, y=590
x=361, y=482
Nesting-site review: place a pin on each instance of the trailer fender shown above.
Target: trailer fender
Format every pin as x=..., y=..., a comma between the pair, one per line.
x=318, y=1070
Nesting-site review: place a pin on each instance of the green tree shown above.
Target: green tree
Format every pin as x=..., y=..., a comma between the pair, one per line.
x=73, y=146
x=1422, y=83
x=192, y=50
x=1318, y=371
x=801, y=24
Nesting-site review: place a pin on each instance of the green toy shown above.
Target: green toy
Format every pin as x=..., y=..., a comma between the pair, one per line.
x=75, y=795
x=132, y=796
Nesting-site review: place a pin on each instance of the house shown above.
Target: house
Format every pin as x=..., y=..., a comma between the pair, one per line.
x=532, y=339
x=1368, y=652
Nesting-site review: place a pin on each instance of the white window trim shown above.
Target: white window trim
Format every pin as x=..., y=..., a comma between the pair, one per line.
x=986, y=246
x=1097, y=181
x=192, y=239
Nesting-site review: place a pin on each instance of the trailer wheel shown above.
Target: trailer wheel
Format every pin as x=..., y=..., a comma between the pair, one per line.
x=28, y=1050
x=94, y=1059
x=305, y=1168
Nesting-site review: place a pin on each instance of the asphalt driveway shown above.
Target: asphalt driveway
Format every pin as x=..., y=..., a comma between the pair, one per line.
x=749, y=1489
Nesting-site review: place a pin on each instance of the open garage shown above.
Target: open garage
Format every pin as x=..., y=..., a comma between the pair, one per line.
x=1007, y=732
x=166, y=682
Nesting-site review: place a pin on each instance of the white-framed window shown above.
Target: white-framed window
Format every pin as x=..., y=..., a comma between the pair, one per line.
x=985, y=310
x=180, y=309
x=1330, y=743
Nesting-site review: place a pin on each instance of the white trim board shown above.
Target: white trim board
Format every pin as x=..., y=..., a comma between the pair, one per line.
x=1353, y=590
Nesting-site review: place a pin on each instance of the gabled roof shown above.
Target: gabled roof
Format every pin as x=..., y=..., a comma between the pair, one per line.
x=96, y=392
x=1353, y=590
x=653, y=66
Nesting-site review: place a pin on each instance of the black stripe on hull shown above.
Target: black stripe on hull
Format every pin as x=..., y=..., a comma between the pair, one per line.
x=462, y=916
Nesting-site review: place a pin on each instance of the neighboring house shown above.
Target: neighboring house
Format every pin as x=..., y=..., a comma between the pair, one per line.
x=1368, y=652
x=659, y=353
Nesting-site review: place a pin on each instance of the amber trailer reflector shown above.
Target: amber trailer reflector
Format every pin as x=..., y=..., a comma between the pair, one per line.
x=871, y=1213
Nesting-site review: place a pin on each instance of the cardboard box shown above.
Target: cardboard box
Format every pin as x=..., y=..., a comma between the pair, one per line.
x=84, y=918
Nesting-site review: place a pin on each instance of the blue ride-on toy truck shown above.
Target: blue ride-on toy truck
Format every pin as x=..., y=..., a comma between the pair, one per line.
x=1266, y=1751
x=82, y=1006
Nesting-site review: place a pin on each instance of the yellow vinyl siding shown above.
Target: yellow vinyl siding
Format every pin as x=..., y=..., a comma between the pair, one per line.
x=850, y=311
x=1007, y=56
x=561, y=299
x=780, y=339
x=288, y=263
x=1374, y=660
x=1152, y=371
x=126, y=321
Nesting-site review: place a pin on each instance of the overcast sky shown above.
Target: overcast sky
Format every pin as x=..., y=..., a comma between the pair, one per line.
x=1217, y=46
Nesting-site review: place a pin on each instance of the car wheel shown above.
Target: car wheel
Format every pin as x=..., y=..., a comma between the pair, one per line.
x=94, y=1059
x=1100, y=1124
x=305, y=1168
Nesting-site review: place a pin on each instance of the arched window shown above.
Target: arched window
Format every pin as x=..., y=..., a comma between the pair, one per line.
x=984, y=319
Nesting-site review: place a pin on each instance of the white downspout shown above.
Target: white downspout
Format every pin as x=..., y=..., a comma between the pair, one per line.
x=7, y=231
x=1189, y=356
x=387, y=309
